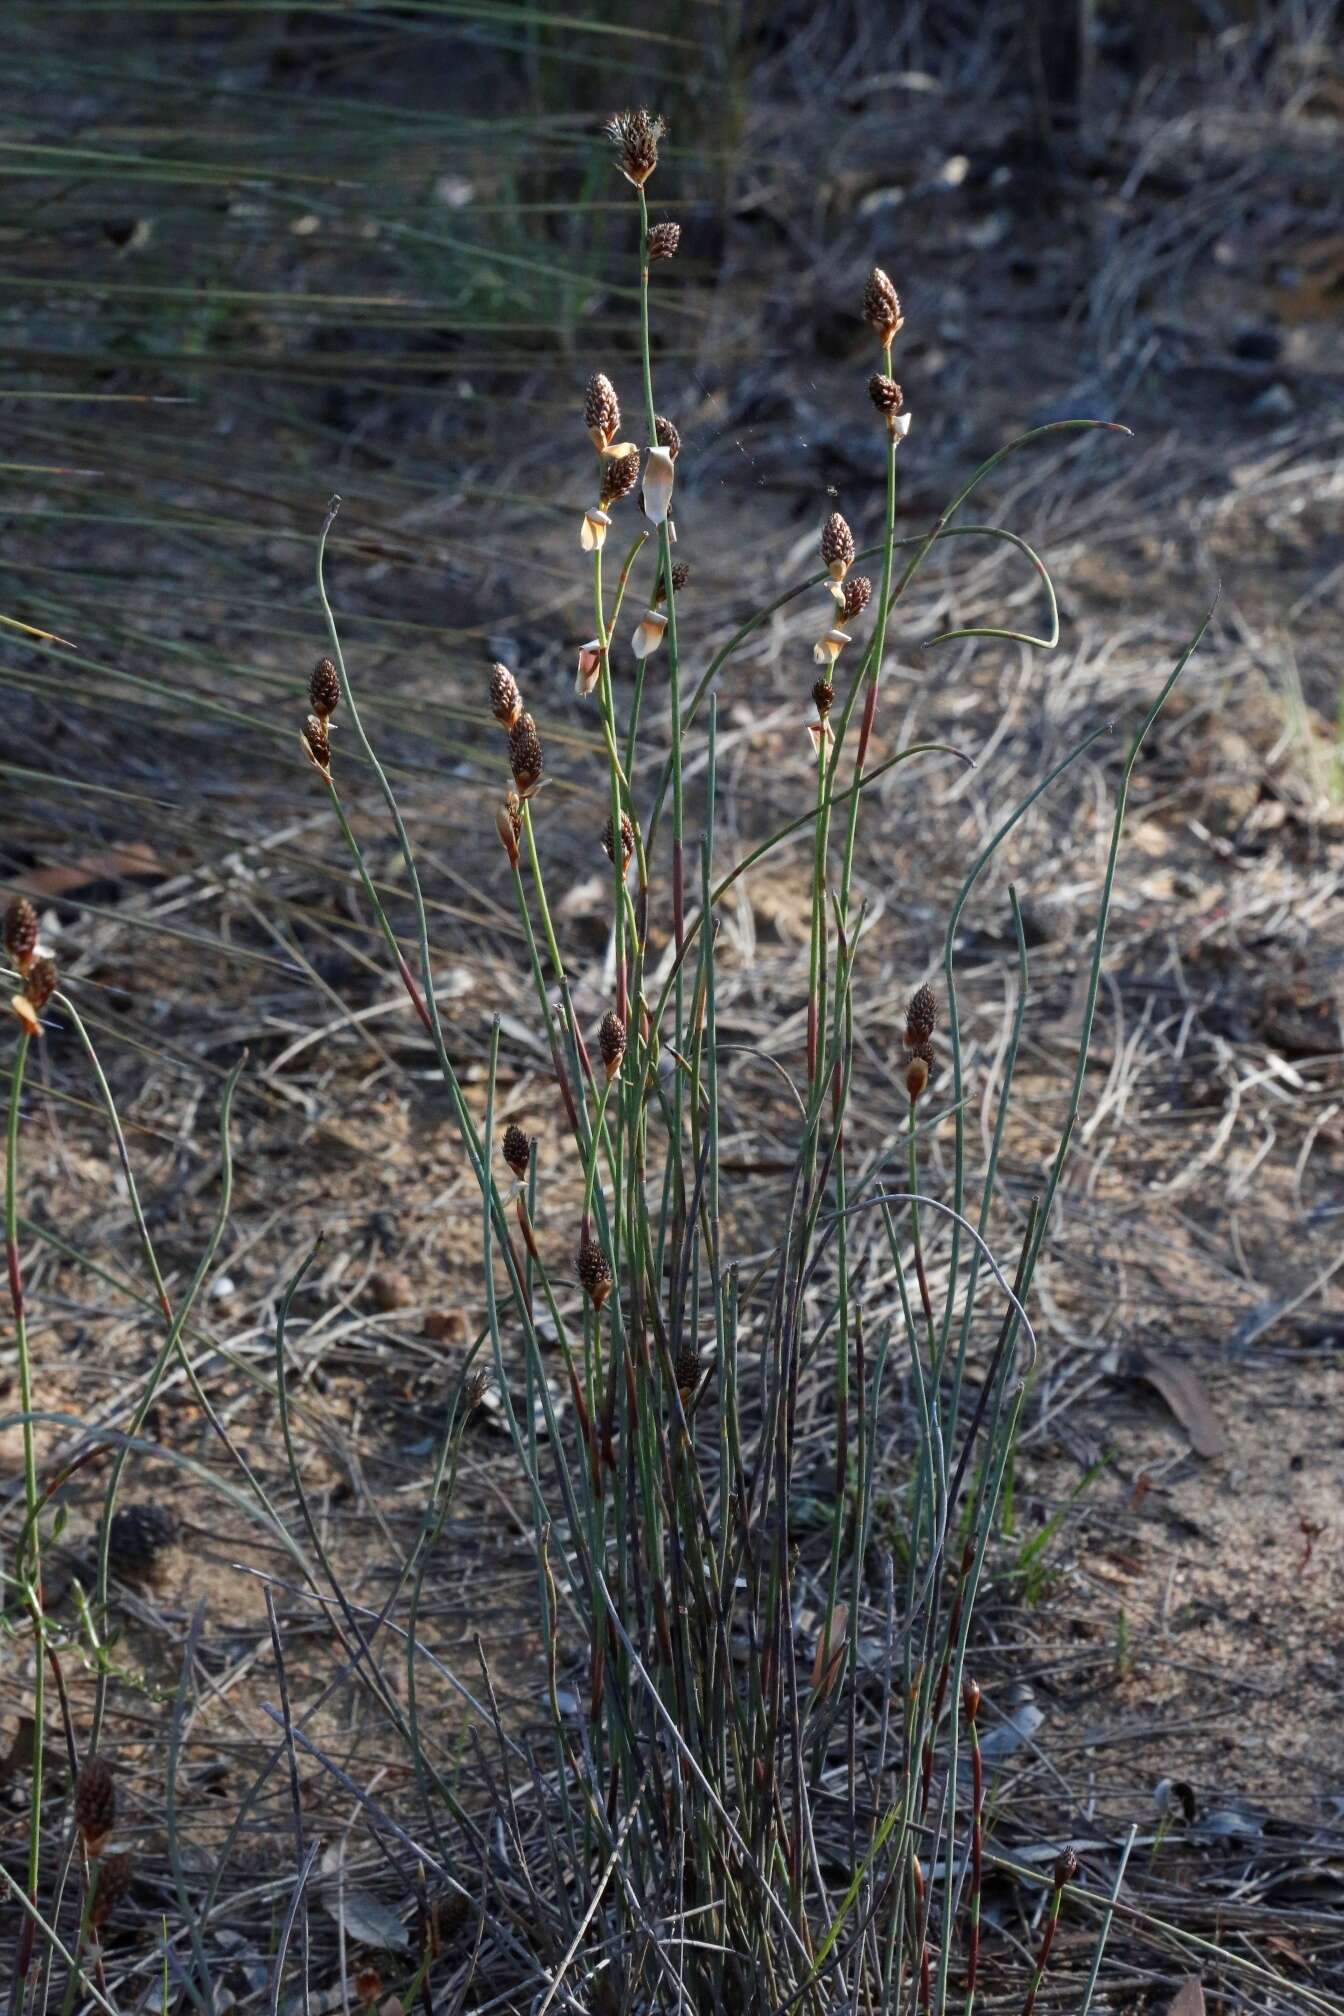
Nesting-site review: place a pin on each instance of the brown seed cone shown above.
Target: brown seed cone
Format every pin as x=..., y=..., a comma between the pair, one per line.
x=823, y=697
x=506, y=702
x=95, y=1803
x=885, y=394
x=324, y=688
x=1066, y=1869
x=517, y=1149
x=916, y=1077
x=837, y=546
x=21, y=932
x=611, y=1042
x=525, y=755
x=592, y=1269
x=115, y=1875
x=601, y=409
x=921, y=1015
x=666, y=435
x=686, y=1368
x=635, y=136
x=317, y=742
x=40, y=983
x=627, y=841
x=881, y=305
x=140, y=1536
x=858, y=592
x=681, y=574
x=620, y=474
x=664, y=240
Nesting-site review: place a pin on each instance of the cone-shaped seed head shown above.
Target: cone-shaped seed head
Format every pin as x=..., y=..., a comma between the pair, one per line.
x=635, y=136
x=666, y=435
x=881, y=305
x=627, y=841
x=506, y=702
x=837, y=546
x=40, y=983
x=855, y=597
x=686, y=1369
x=601, y=409
x=620, y=474
x=592, y=1269
x=921, y=1015
x=525, y=755
x=664, y=240
x=324, y=688
x=21, y=932
x=611, y=1042
x=317, y=742
x=823, y=696
x=885, y=394
x=115, y=1873
x=95, y=1802
x=517, y=1149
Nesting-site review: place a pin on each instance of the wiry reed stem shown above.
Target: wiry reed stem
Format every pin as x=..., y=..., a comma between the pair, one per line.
x=28, y=1566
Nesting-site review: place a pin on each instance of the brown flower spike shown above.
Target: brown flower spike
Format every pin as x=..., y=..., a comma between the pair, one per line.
x=881, y=306
x=635, y=136
x=21, y=932
x=324, y=689
x=620, y=475
x=855, y=597
x=317, y=744
x=517, y=1149
x=592, y=1269
x=115, y=1873
x=921, y=1015
x=601, y=411
x=823, y=697
x=611, y=1042
x=95, y=1803
x=525, y=755
x=627, y=841
x=666, y=435
x=889, y=400
x=686, y=1371
x=506, y=702
x=40, y=983
x=664, y=240
x=837, y=546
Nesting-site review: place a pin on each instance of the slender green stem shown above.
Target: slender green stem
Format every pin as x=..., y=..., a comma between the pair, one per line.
x=28, y=1567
